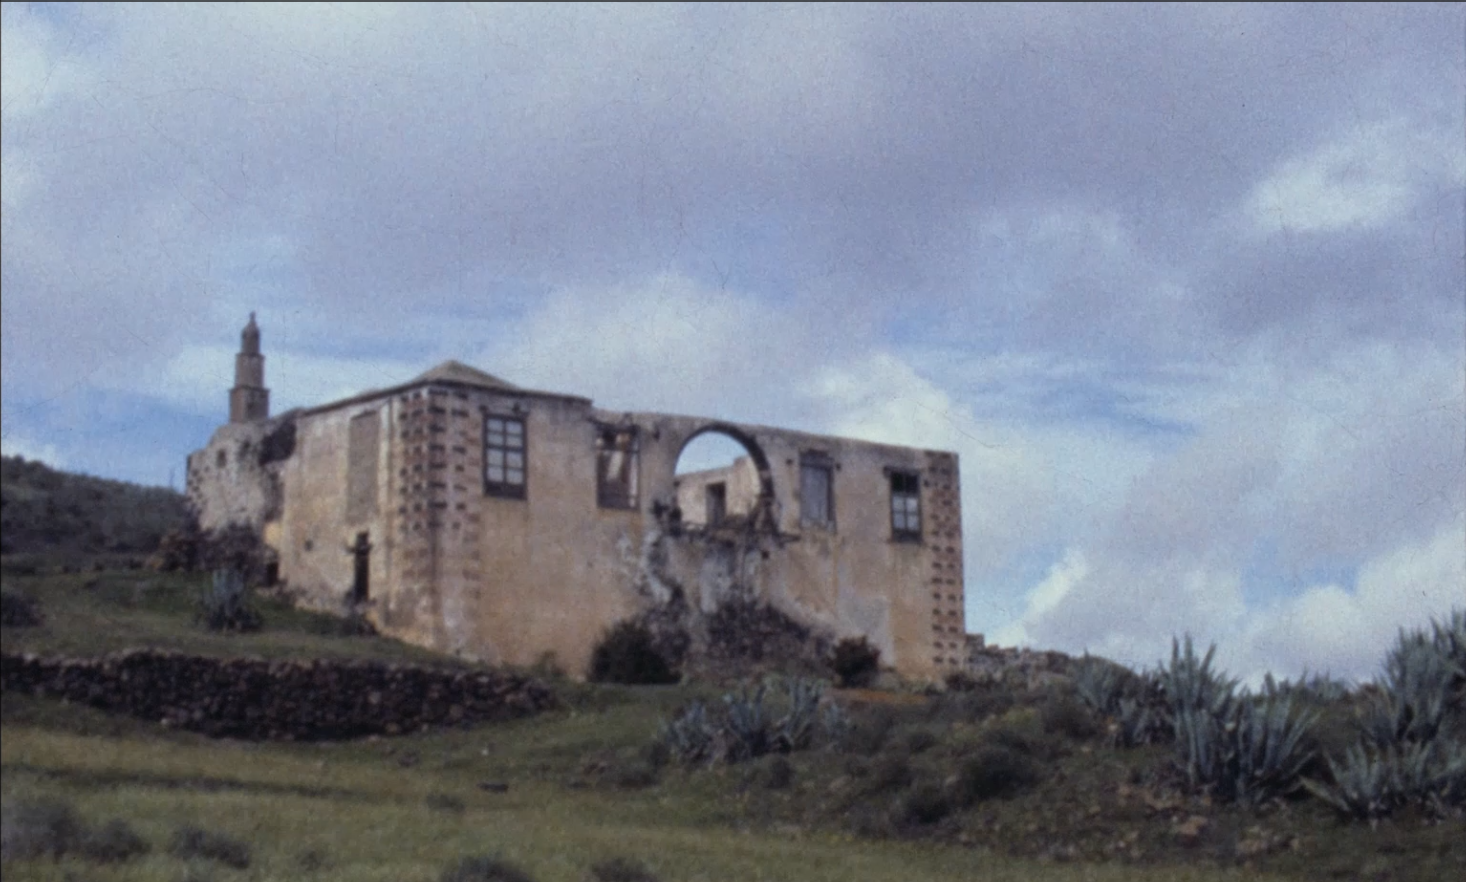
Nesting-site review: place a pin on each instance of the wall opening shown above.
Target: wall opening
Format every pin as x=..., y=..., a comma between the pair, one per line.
x=722, y=479
x=361, y=553
x=618, y=466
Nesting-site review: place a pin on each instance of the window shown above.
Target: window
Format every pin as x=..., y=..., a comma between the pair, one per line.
x=905, y=505
x=816, y=491
x=717, y=503
x=504, y=456
x=617, y=452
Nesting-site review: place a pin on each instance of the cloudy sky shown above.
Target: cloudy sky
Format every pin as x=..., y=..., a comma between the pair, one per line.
x=1182, y=285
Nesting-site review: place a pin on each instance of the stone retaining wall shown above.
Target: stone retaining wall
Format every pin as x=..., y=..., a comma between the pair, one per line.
x=256, y=699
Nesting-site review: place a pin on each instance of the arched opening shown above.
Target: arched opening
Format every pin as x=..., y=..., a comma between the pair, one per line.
x=723, y=479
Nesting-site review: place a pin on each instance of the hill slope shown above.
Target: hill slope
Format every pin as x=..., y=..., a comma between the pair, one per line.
x=46, y=511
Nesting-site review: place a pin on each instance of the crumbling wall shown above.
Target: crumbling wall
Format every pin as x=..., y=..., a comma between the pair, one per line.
x=235, y=479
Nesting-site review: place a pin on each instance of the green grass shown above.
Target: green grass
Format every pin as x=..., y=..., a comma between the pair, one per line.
x=364, y=817
x=577, y=786
x=96, y=613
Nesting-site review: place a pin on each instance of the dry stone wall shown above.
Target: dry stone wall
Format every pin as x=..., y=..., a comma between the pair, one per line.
x=256, y=699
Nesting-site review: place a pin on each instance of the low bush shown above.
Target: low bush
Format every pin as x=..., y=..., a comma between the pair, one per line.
x=484, y=868
x=191, y=842
x=444, y=802
x=1064, y=714
x=621, y=870
x=926, y=804
x=32, y=829
x=19, y=611
x=627, y=654
x=888, y=773
x=779, y=774
x=921, y=740
x=869, y=730
x=113, y=842
x=855, y=662
x=994, y=773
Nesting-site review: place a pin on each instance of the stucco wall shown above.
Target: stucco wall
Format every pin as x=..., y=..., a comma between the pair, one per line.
x=509, y=580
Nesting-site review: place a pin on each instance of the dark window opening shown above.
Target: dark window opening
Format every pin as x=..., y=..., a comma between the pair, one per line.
x=717, y=503
x=905, y=505
x=221, y=459
x=816, y=491
x=361, y=553
x=504, y=456
x=617, y=464
x=272, y=574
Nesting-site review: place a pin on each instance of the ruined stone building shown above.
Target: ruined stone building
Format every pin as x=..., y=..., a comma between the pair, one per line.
x=467, y=514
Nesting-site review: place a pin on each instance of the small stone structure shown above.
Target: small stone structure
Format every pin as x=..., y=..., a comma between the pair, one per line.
x=464, y=513
x=256, y=699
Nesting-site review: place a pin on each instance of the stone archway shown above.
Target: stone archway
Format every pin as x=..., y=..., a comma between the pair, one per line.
x=741, y=492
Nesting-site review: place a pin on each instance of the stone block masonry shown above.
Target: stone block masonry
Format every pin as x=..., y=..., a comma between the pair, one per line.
x=259, y=700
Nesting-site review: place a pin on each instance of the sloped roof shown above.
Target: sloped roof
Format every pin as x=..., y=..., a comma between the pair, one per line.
x=452, y=371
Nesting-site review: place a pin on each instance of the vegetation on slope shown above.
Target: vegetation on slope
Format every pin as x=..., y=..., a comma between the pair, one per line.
x=45, y=513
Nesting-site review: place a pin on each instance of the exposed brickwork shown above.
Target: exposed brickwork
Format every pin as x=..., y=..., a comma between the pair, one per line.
x=942, y=504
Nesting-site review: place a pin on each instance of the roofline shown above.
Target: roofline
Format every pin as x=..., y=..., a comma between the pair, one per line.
x=417, y=383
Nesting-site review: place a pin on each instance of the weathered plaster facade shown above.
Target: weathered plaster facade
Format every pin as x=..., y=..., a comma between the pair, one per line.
x=473, y=516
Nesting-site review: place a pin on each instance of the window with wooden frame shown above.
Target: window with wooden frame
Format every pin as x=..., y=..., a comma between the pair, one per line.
x=504, y=453
x=617, y=460
x=906, y=506
x=816, y=490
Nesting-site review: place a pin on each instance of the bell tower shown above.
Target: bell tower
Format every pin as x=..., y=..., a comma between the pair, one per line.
x=249, y=400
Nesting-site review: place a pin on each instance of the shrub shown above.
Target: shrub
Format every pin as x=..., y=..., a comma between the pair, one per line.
x=225, y=606
x=626, y=654
x=444, y=802
x=994, y=773
x=484, y=868
x=920, y=741
x=1064, y=714
x=890, y=772
x=195, y=842
x=633, y=774
x=621, y=870
x=925, y=804
x=855, y=662
x=869, y=731
x=1022, y=731
x=113, y=842
x=19, y=611
x=780, y=773
x=37, y=828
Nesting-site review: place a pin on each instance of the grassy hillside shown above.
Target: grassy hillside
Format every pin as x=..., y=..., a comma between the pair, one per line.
x=1052, y=798
x=49, y=515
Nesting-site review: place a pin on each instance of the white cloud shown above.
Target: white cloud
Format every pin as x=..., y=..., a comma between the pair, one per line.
x=1366, y=179
x=1346, y=632
x=12, y=444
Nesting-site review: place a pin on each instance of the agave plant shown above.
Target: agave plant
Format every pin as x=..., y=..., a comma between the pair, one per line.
x=1416, y=694
x=1191, y=684
x=1099, y=684
x=796, y=729
x=1268, y=743
x=1370, y=783
x=691, y=735
x=747, y=723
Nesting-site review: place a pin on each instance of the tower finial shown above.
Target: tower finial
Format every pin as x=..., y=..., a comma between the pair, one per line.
x=249, y=400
